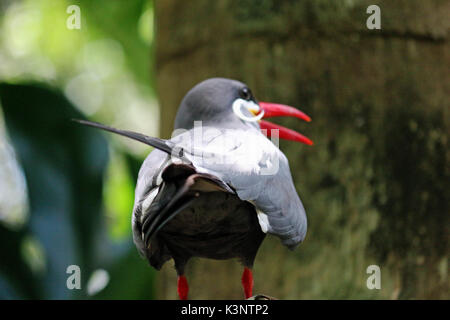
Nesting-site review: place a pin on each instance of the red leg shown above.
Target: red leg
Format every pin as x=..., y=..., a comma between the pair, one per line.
x=247, y=282
x=183, y=287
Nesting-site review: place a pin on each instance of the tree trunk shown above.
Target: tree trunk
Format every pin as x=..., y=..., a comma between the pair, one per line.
x=374, y=184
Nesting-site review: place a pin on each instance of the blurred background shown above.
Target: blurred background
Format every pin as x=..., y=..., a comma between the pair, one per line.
x=375, y=184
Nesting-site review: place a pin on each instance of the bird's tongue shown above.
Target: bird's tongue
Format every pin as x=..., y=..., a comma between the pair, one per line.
x=278, y=110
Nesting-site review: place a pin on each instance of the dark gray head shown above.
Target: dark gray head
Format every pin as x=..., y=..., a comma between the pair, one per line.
x=218, y=102
x=226, y=103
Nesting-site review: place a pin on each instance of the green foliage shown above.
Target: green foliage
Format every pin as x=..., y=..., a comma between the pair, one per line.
x=118, y=21
x=79, y=203
x=119, y=197
x=64, y=165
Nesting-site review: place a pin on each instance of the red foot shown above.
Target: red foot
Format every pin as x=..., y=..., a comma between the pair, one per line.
x=247, y=282
x=183, y=288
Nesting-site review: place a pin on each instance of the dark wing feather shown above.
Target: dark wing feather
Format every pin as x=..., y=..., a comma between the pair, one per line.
x=180, y=187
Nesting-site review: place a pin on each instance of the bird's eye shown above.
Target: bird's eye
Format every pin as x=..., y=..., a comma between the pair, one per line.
x=246, y=93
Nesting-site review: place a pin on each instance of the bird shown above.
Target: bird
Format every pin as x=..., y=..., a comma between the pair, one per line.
x=219, y=185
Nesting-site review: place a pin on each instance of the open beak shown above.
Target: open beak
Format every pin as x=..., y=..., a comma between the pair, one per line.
x=280, y=110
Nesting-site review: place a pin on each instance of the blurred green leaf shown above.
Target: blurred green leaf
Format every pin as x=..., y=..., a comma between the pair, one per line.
x=119, y=197
x=64, y=166
x=119, y=22
x=16, y=278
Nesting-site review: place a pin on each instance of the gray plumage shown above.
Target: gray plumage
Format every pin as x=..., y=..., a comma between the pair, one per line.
x=213, y=190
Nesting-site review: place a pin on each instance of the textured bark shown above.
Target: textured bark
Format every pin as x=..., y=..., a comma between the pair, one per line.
x=374, y=184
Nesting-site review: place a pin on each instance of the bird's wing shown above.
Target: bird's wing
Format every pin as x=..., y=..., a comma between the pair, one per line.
x=147, y=187
x=156, y=182
x=256, y=169
x=176, y=187
x=244, y=161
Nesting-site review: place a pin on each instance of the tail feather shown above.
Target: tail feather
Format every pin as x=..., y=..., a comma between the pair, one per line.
x=165, y=217
x=157, y=143
x=171, y=201
x=181, y=186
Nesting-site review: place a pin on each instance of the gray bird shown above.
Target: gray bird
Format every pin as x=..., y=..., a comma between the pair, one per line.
x=219, y=185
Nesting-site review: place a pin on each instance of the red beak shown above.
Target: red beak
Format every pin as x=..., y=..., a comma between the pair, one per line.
x=278, y=110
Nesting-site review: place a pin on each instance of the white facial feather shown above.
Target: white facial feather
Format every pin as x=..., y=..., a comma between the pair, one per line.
x=238, y=104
